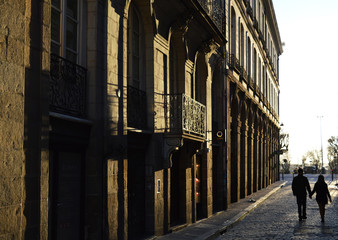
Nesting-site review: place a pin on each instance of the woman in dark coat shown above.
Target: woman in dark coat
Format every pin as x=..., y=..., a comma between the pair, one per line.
x=322, y=194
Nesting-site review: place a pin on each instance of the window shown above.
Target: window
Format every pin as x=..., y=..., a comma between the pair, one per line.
x=135, y=71
x=65, y=29
x=233, y=32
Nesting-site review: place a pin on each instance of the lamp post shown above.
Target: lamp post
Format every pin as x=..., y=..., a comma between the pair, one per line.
x=321, y=142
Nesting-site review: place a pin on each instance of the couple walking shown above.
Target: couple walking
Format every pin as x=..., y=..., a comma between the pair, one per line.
x=300, y=185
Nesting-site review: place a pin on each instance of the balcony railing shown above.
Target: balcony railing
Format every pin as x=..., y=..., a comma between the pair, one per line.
x=216, y=12
x=244, y=75
x=234, y=63
x=179, y=114
x=67, y=87
x=249, y=11
x=137, y=108
x=255, y=23
x=260, y=34
x=251, y=83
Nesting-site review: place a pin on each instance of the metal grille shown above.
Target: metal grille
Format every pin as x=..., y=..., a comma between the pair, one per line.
x=234, y=63
x=244, y=74
x=179, y=114
x=137, y=108
x=215, y=11
x=67, y=88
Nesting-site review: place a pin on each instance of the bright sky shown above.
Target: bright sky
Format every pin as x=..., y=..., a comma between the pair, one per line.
x=308, y=73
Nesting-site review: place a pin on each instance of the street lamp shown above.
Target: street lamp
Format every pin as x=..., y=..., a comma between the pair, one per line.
x=321, y=142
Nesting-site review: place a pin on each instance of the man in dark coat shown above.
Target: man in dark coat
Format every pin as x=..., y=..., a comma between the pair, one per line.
x=299, y=186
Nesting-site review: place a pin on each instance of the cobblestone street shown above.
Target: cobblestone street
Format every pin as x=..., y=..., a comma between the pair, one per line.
x=277, y=217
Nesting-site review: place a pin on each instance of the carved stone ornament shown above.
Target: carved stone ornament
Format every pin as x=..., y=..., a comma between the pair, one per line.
x=181, y=25
x=170, y=146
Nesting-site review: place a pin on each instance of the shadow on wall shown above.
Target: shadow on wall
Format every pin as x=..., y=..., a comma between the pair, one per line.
x=35, y=131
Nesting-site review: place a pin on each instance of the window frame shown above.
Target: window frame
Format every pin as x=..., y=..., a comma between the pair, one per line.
x=140, y=82
x=63, y=48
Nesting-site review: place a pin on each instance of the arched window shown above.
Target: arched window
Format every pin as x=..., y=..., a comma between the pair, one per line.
x=201, y=75
x=135, y=50
x=254, y=68
x=249, y=58
x=136, y=94
x=242, y=50
x=233, y=32
x=259, y=74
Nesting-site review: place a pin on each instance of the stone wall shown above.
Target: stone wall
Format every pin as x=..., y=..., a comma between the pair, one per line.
x=12, y=83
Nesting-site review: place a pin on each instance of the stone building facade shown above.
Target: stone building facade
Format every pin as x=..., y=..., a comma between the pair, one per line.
x=130, y=119
x=253, y=97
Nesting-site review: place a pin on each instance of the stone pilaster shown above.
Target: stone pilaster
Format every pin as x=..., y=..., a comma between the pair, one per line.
x=250, y=166
x=235, y=160
x=244, y=160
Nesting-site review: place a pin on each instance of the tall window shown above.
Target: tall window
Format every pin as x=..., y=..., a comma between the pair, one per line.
x=65, y=29
x=134, y=50
x=249, y=58
x=254, y=68
x=241, y=50
x=233, y=32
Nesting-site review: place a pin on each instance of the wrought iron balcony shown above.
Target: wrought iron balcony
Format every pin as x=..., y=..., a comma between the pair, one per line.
x=215, y=11
x=67, y=87
x=270, y=59
x=260, y=34
x=244, y=75
x=255, y=23
x=264, y=45
x=234, y=63
x=251, y=83
x=136, y=108
x=249, y=11
x=179, y=114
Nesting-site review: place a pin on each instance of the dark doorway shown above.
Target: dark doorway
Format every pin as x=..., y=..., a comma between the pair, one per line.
x=137, y=145
x=68, y=146
x=199, y=187
x=67, y=192
x=177, y=200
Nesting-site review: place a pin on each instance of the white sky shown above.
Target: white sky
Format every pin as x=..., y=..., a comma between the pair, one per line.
x=308, y=73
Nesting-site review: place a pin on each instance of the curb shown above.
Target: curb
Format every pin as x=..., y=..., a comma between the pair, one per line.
x=240, y=216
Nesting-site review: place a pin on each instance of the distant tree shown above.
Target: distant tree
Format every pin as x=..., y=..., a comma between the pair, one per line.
x=284, y=151
x=303, y=160
x=315, y=158
x=332, y=152
x=284, y=142
x=285, y=162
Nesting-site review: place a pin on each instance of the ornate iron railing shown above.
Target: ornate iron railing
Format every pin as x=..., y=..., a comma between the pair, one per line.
x=215, y=11
x=234, y=63
x=249, y=11
x=179, y=114
x=251, y=83
x=270, y=59
x=260, y=34
x=67, y=87
x=255, y=23
x=136, y=108
x=264, y=45
x=244, y=74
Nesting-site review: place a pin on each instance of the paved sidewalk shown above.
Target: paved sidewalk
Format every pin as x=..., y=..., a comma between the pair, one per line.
x=214, y=226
